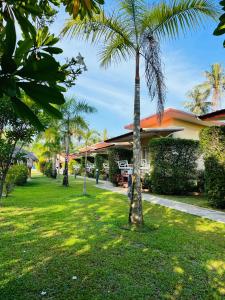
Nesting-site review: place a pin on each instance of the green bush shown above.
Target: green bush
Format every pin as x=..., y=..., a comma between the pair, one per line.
x=48, y=169
x=71, y=165
x=99, y=161
x=212, y=141
x=9, y=183
x=17, y=175
x=146, y=183
x=173, y=165
x=114, y=156
x=200, y=187
x=41, y=165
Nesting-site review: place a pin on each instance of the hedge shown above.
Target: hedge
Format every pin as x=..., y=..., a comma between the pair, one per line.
x=17, y=175
x=115, y=155
x=212, y=141
x=173, y=165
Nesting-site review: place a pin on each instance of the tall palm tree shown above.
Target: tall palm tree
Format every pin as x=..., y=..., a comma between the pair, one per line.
x=198, y=104
x=134, y=31
x=71, y=124
x=215, y=84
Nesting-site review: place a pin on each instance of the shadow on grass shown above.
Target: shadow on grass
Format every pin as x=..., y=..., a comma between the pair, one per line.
x=49, y=236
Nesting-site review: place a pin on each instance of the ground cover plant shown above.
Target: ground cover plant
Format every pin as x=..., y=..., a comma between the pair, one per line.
x=58, y=244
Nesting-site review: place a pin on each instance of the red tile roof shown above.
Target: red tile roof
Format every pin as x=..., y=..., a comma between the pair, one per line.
x=169, y=114
x=215, y=115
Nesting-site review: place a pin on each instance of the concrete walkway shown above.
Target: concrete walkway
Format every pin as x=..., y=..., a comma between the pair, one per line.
x=210, y=214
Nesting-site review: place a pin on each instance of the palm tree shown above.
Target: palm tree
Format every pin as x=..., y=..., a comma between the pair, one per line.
x=198, y=104
x=71, y=124
x=134, y=31
x=215, y=84
x=90, y=137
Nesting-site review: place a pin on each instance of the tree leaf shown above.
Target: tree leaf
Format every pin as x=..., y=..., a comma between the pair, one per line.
x=8, y=85
x=42, y=93
x=45, y=68
x=53, y=50
x=26, y=113
x=22, y=49
x=25, y=25
x=10, y=38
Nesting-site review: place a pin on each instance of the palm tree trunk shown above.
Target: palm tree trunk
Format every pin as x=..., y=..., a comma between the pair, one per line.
x=66, y=178
x=2, y=181
x=85, y=174
x=216, y=99
x=54, y=171
x=135, y=214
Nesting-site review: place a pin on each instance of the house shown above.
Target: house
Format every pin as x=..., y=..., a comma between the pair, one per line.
x=218, y=115
x=174, y=118
x=175, y=123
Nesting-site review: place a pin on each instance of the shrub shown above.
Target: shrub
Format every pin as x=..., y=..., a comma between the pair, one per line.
x=200, y=181
x=17, y=175
x=114, y=156
x=71, y=165
x=99, y=160
x=146, y=183
x=212, y=141
x=9, y=183
x=173, y=165
x=48, y=169
x=41, y=165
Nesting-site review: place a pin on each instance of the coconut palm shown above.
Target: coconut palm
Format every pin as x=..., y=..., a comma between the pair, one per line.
x=134, y=30
x=71, y=124
x=215, y=84
x=198, y=104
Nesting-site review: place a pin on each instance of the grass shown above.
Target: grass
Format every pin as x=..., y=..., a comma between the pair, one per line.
x=49, y=233
x=194, y=200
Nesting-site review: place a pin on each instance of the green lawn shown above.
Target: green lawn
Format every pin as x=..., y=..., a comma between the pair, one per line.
x=49, y=233
x=195, y=200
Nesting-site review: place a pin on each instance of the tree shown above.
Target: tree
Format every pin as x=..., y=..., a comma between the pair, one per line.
x=13, y=131
x=52, y=144
x=214, y=84
x=29, y=65
x=220, y=30
x=105, y=134
x=90, y=137
x=134, y=30
x=198, y=104
x=71, y=124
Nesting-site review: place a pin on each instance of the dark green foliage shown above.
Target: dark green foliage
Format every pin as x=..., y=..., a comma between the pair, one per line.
x=28, y=66
x=212, y=142
x=114, y=156
x=220, y=30
x=200, y=181
x=41, y=165
x=146, y=183
x=99, y=161
x=48, y=169
x=174, y=168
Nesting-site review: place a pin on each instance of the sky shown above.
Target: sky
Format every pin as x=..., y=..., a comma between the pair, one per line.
x=111, y=90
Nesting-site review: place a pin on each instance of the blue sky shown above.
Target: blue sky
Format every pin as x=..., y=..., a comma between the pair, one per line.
x=111, y=90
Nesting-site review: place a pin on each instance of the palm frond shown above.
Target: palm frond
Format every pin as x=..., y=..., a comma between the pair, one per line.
x=99, y=28
x=153, y=72
x=115, y=51
x=168, y=20
x=84, y=107
x=132, y=11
